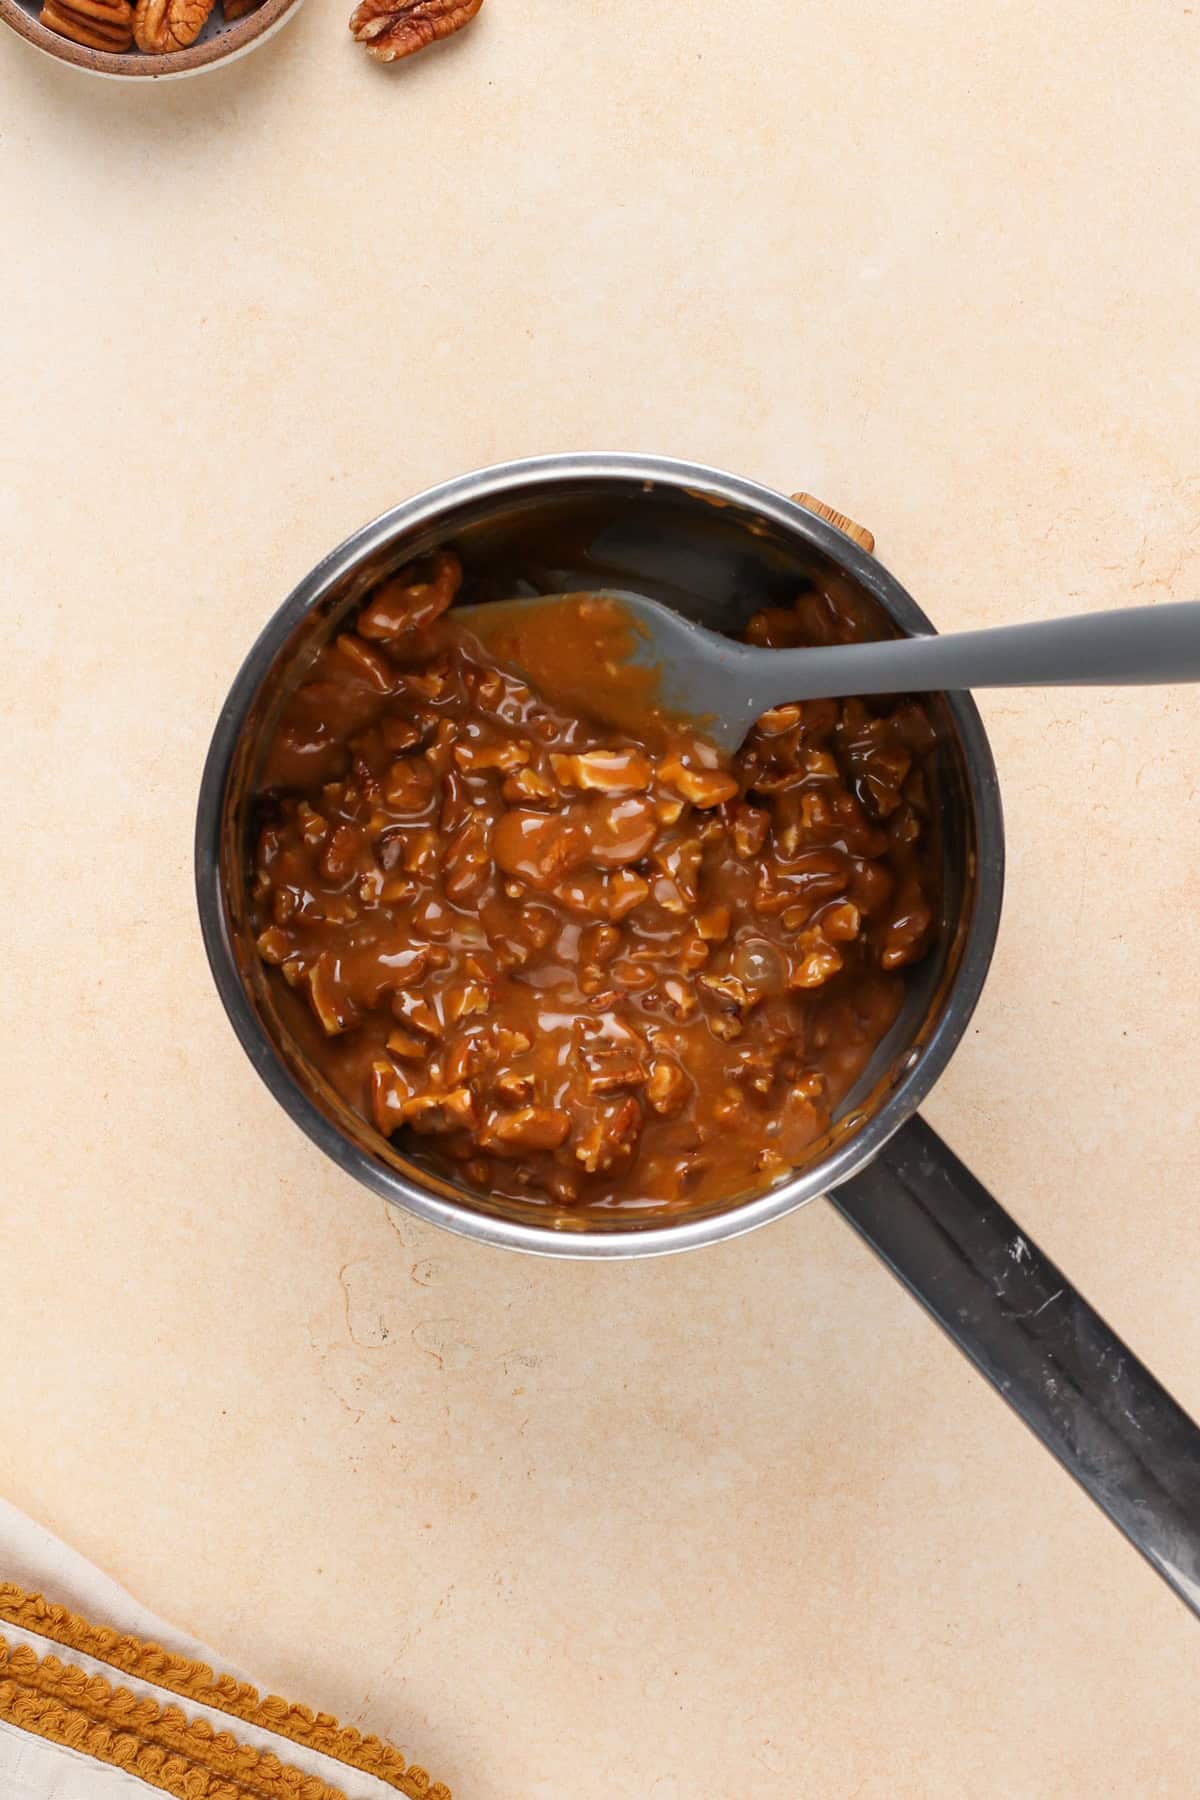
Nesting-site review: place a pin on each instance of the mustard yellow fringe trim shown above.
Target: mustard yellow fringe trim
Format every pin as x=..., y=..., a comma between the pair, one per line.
x=58, y=1701
x=192, y=1681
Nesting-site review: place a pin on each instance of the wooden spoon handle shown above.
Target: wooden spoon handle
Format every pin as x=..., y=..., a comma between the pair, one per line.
x=857, y=533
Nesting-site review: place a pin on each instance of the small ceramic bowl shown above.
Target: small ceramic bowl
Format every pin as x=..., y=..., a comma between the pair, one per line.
x=217, y=44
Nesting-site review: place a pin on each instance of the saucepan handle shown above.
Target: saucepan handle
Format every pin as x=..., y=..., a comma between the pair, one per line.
x=1007, y=1307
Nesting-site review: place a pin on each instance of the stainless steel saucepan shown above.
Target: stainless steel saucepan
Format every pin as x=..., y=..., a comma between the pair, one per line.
x=718, y=547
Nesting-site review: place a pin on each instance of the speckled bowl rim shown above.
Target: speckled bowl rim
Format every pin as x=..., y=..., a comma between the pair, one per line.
x=233, y=41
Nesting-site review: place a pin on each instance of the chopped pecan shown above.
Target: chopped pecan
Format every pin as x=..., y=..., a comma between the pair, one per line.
x=340, y=852
x=420, y=851
x=312, y=826
x=820, y=763
x=816, y=960
x=97, y=24
x=528, y=785
x=408, y=785
x=612, y=1137
x=469, y=1055
x=703, y=787
x=680, y=863
x=667, y=1086
x=730, y=1108
x=371, y=885
x=537, y=847
x=416, y=1014
x=466, y=866
x=679, y=997
x=905, y=934
x=778, y=720
x=617, y=831
x=733, y=991
x=389, y=1092
x=538, y=923
x=634, y=977
x=283, y=905
x=274, y=946
x=366, y=661
x=756, y=1068
x=611, y=1068
x=436, y=1113
x=606, y=771
x=750, y=827
x=330, y=1001
x=531, y=1128
x=841, y=923
x=624, y=891
x=464, y=998
x=877, y=757
x=505, y=756
x=160, y=26
x=516, y=1088
x=405, y=603
x=487, y=687
x=400, y=734
x=693, y=953
x=389, y=848
x=403, y=968
x=801, y=1120
x=713, y=923
x=598, y=944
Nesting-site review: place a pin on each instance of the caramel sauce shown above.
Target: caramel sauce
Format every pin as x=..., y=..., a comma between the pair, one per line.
x=592, y=964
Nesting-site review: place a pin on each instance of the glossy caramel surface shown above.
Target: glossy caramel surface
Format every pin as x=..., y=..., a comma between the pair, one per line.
x=572, y=961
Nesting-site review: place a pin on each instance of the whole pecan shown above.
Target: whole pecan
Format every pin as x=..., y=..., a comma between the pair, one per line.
x=160, y=26
x=391, y=29
x=97, y=24
x=237, y=9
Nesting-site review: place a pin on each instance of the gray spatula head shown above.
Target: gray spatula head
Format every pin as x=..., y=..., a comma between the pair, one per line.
x=615, y=654
x=722, y=686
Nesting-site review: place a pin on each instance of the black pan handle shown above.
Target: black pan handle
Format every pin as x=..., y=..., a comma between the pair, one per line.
x=1039, y=1343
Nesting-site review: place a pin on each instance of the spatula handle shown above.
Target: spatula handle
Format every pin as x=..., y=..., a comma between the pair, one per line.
x=1134, y=645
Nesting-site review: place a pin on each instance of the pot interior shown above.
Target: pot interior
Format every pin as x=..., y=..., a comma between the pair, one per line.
x=714, y=557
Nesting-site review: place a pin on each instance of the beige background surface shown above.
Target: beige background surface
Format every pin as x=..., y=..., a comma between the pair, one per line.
x=739, y=1523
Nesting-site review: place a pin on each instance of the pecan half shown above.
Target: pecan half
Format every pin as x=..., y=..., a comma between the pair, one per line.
x=97, y=24
x=237, y=9
x=391, y=29
x=160, y=26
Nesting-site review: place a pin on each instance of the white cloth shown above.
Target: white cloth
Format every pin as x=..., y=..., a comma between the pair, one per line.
x=32, y=1768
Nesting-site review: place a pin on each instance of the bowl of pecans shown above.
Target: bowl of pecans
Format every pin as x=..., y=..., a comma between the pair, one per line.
x=130, y=39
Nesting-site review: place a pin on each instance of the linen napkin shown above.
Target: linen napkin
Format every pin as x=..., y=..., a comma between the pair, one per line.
x=101, y=1700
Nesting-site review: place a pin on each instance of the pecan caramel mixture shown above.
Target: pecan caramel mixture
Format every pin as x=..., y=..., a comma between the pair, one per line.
x=560, y=961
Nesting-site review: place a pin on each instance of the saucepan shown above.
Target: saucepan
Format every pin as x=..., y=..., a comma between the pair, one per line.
x=718, y=547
